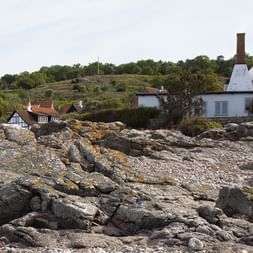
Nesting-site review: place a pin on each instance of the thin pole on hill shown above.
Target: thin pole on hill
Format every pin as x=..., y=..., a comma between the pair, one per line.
x=98, y=66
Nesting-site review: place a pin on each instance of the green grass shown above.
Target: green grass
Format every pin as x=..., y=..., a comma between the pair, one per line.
x=97, y=92
x=196, y=126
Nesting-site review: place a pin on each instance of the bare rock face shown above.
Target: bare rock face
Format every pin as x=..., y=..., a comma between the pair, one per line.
x=14, y=202
x=231, y=131
x=96, y=187
x=236, y=201
x=21, y=136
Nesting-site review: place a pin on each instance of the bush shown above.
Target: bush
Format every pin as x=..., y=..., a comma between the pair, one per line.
x=195, y=126
x=135, y=118
x=120, y=87
x=73, y=115
x=48, y=93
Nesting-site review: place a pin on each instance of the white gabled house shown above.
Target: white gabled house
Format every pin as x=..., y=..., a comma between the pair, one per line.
x=237, y=98
x=227, y=104
x=149, y=97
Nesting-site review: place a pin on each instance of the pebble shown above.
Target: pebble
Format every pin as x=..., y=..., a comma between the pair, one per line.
x=195, y=244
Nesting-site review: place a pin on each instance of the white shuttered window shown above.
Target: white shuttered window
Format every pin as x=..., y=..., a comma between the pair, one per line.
x=221, y=108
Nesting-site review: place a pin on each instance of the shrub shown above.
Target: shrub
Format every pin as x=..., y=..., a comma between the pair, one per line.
x=73, y=115
x=48, y=93
x=136, y=117
x=120, y=87
x=196, y=126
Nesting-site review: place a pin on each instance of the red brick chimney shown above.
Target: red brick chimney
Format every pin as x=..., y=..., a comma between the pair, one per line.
x=240, y=52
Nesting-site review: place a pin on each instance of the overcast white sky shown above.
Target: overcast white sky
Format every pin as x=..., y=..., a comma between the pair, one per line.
x=35, y=33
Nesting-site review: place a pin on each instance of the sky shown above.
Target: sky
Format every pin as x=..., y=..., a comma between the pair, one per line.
x=36, y=33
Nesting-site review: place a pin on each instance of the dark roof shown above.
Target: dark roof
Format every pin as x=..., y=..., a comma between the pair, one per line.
x=78, y=108
x=26, y=116
x=150, y=94
x=66, y=108
x=226, y=92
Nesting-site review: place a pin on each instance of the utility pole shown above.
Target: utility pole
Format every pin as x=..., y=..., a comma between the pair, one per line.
x=98, y=66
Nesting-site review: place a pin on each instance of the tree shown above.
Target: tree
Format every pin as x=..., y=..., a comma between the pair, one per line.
x=129, y=68
x=182, y=100
x=192, y=83
x=177, y=107
x=200, y=64
x=92, y=69
x=8, y=79
x=24, y=81
x=109, y=69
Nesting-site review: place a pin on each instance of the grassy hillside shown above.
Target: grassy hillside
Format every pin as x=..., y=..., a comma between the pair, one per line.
x=103, y=92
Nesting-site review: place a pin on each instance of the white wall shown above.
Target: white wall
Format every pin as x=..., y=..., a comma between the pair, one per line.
x=251, y=74
x=240, y=79
x=17, y=120
x=148, y=101
x=236, y=104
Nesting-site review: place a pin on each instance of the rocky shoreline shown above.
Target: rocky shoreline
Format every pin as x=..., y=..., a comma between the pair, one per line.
x=94, y=187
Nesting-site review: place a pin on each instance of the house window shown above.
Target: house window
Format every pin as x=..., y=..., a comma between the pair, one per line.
x=43, y=119
x=221, y=108
x=53, y=119
x=248, y=104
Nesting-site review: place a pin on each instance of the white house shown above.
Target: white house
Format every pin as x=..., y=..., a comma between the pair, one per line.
x=237, y=97
x=149, y=98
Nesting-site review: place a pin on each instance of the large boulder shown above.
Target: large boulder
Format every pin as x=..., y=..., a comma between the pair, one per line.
x=49, y=128
x=74, y=213
x=212, y=215
x=14, y=202
x=236, y=201
x=19, y=135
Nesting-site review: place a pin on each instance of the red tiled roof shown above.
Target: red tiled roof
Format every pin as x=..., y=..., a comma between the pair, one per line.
x=151, y=90
x=46, y=111
x=43, y=108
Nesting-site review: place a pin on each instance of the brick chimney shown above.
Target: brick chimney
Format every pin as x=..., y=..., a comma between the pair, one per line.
x=240, y=52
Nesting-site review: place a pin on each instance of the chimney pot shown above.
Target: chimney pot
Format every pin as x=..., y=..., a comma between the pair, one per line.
x=29, y=105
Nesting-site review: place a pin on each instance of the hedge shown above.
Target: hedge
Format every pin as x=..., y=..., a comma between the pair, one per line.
x=134, y=117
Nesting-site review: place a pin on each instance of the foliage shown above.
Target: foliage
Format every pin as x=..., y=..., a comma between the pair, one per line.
x=136, y=117
x=3, y=106
x=48, y=93
x=78, y=87
x=120, y=87
x=8, y=102
x=196, y=126
x=201, y=65
x=73, y=115
x=182, y=100
x=117, y=84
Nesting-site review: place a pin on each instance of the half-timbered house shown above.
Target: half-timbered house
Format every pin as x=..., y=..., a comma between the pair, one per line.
x=34, y=113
